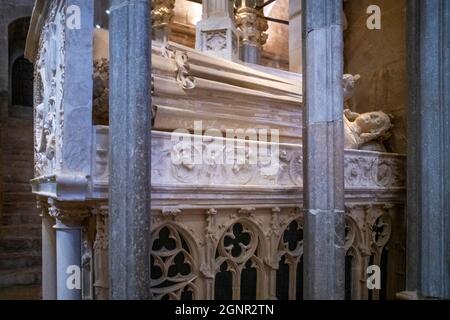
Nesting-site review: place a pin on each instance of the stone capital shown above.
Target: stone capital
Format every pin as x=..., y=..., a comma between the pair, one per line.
x=162, y=12
x=252, y=25
x=67, y=213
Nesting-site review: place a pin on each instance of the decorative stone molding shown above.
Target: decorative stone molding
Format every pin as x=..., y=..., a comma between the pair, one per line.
x=252, y=25
x=180, y=60
x=365, y=172
x=372, y=170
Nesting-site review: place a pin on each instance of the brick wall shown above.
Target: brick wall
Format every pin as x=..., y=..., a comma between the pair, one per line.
x=20, y=236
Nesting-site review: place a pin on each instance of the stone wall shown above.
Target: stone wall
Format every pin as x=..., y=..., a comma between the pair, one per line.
x=20, y=243
x=379, y=57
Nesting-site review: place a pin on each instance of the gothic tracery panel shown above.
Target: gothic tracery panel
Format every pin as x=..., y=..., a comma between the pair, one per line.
x=290, y=263
x=173, y=265
x=239, y=264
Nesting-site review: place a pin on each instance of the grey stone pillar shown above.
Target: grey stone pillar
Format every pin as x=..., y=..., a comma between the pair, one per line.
x=216, y=33
x=130, y=128
x=428, y=185
x=323, y=150
x=69, y=224
x=48, y=254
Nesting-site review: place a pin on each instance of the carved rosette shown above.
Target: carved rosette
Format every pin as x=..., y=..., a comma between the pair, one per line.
x=162, y=12
x=252, y=25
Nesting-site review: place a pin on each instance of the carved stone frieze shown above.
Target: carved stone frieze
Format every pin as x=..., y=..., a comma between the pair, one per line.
x=374, y=170
x=49, y=79
x=174, y=164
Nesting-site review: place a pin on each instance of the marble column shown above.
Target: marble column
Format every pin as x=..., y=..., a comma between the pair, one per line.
x=48, y=253
x=252, y=28
x=295, y=36
x=216, y=33
x=428, y=121
x=69, y=224
x=323, y=150
x=162, y=15
x=130, y=140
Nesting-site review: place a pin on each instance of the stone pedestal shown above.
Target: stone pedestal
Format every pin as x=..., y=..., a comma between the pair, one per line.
x=216, y=33
x=323, y=150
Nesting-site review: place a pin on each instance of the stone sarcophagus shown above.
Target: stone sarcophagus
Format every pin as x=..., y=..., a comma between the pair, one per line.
x=227, y=173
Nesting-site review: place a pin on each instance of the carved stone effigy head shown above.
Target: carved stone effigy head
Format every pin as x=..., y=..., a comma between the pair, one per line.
x=376, y=122
x=367, y=131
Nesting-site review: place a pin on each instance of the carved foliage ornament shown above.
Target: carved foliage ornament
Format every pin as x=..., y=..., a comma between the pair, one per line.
x=182, y=68
x=252, y=25
x=162, y=12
